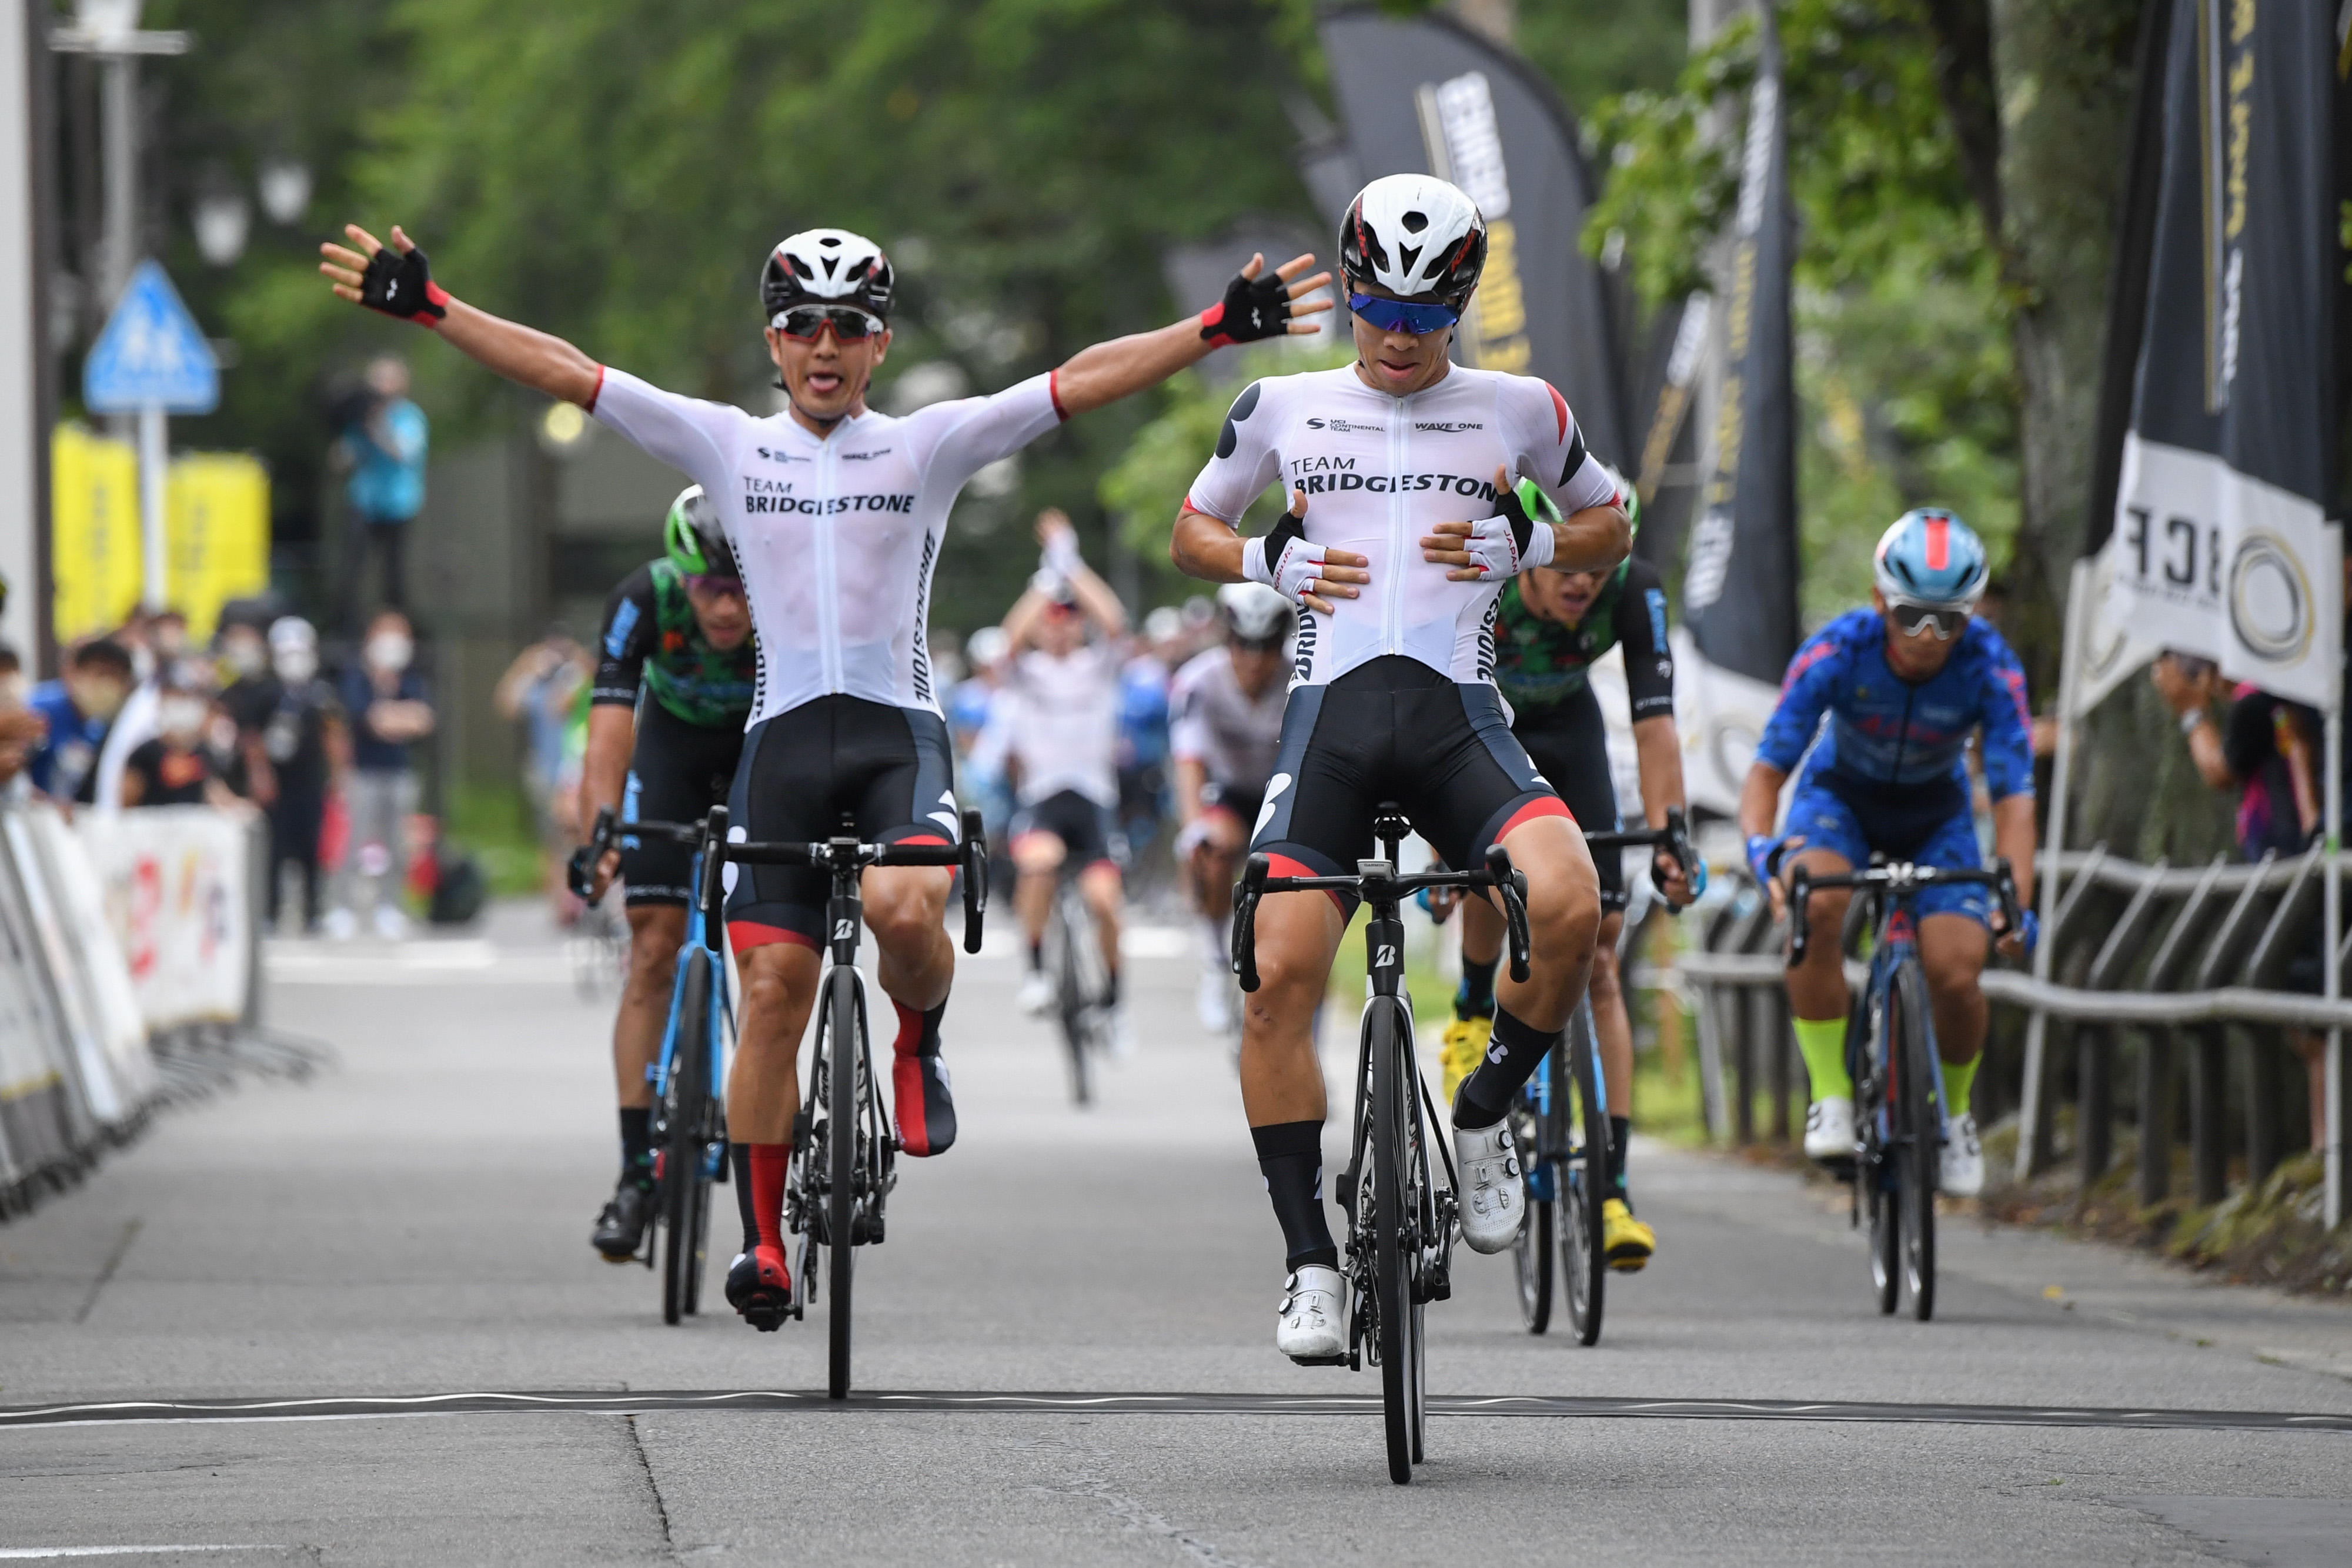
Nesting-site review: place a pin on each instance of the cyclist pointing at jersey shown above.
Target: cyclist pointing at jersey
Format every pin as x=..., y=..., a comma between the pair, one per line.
x=1403, y=528
x=835, y=514
x=1903, y=684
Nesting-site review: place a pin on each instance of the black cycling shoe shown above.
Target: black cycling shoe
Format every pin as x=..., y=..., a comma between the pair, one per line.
x=621, y=1228
x=760, y=1288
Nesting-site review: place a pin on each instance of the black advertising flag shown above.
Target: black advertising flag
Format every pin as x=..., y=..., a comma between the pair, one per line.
x=1428, y=96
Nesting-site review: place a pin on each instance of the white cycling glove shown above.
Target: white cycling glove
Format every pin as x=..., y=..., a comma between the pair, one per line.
x=1285, y=560
x=1509, y=542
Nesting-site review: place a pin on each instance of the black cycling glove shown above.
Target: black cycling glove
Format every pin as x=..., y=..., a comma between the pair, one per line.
x=1253, y=309
x=400, y=283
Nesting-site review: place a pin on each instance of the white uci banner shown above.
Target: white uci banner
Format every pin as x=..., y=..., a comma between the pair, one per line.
x=2210, y=561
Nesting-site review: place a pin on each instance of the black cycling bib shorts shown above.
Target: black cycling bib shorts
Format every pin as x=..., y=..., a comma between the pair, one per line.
x=677, y=772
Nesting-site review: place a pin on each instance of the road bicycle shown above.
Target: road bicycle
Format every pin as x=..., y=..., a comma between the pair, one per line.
x=844, y=1159
x=1073, y=959
x=1402, y=1224
x=689, y=1125
x=1899, y=1079
x=1561, y=1119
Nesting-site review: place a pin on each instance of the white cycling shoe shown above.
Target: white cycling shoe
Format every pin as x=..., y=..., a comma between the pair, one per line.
x=1312, y=1325
x=1828, y=1128
x=1494, y=1191
x=1963, y=1165
x=1036, y=993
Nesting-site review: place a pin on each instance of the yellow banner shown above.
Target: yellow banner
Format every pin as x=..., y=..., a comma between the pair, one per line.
x=93, y=531
x=217, y=533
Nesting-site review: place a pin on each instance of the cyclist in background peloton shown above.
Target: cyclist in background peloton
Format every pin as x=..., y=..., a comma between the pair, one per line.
x=675, y=669
x=1551, y=627
x=1224, y=726
x=1904, y=685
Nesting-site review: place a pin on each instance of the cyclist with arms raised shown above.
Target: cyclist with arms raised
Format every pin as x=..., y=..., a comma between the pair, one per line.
x=835, y=514
x=1402, y=527
x=1552, y=626
x=676, y=666
x=1224, y=728
x=1903, y=684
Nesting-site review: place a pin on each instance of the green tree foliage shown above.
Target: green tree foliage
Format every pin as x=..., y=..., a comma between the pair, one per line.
x=1904, y=367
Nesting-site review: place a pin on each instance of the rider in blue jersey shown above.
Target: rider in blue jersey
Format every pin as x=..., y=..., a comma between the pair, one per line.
x=1905, y=686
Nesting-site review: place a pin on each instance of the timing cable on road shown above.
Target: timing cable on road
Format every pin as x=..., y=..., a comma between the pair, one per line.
x=813, y=1401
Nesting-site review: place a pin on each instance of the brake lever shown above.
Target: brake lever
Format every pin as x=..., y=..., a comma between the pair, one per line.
x=1512, y=886
x=580, y=872
x=1245, y=896
x=1678, y=845
x=1800, y=894
x=975, y=880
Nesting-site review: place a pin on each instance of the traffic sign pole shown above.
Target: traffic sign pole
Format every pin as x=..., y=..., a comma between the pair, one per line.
x=155, y=455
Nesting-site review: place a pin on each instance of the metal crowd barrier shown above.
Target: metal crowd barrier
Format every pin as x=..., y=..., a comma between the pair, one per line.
x=2183, y=970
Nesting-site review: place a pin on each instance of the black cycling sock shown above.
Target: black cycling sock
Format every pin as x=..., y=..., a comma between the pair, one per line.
x=1110, y=990
x=1512, y=1055
x=638, y=1145
x=1290, y=1153
x=919, y=1032
x=1620, y=1129
x=1475, y=996
x=738, y=1156
x=1037, y=956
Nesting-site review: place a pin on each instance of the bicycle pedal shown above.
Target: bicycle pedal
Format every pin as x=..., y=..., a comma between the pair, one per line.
x=1321, y=1360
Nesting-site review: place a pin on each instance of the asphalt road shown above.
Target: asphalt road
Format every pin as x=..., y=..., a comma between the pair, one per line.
x=414, y=1222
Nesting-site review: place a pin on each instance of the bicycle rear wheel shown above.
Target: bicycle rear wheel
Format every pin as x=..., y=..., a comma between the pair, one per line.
x=1395, y=1246
x=1919, y=1142
x=683, y=1097
x=1531, y=1253
x=1073, y=995
x=845, y=1058
x=1584, y=1172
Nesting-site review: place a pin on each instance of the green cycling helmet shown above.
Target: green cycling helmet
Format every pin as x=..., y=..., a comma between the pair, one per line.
x=693, y=539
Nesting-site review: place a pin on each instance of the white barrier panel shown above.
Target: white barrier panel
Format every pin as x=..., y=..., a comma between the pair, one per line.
x=41, y=1121
x=79, y=968
x=171, y=889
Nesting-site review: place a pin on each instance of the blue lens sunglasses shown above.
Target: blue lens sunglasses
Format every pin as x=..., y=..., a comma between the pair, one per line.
x=1401, y=315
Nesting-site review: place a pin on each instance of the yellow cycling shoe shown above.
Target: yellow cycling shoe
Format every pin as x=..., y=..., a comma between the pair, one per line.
x=1464, y=1048
x=1626, y=1242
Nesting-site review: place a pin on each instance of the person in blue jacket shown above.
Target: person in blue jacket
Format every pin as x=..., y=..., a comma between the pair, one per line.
x=1904, y=686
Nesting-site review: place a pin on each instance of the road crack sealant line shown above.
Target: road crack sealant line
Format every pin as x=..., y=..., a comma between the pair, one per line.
x=814, y=1401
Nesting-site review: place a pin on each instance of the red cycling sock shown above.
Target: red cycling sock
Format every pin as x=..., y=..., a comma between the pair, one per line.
x=918, y=1030
x=768, y=1164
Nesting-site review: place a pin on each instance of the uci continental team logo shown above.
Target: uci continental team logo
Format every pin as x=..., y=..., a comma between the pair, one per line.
x=2270, y=599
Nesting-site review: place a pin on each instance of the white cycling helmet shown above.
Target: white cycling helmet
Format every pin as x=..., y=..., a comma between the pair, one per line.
x=1254, y=614
x=827, y=267
x=1417, y=237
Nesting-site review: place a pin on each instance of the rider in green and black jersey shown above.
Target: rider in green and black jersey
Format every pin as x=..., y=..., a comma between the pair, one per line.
x=676, y=667
x=1550, y=629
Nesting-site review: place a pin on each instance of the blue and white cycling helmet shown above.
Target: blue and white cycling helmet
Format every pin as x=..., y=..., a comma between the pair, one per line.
x=1931, y=557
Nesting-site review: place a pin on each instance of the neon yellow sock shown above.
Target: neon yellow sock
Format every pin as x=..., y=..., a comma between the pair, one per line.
x=1958, y=1078
x=1821, y=1042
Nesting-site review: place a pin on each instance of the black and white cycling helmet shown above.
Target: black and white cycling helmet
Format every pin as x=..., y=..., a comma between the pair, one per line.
x=1417, y=237
x=827, y=267
x=1254, y=614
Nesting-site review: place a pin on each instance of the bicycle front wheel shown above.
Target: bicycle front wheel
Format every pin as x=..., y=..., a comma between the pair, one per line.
x=1920, y=1134
x=1395, y=1248
x=1585, y=1175
x=844, y=1058
x=683, y=1099
x=1531, y=1253
x=1076, y=989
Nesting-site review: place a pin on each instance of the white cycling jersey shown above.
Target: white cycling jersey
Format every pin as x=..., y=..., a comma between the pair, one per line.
x=1061, y=722
x=1380, y=472
x=837, y=534
x=1234, y=737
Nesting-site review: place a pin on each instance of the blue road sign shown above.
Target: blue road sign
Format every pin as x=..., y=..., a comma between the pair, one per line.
x=152, y=354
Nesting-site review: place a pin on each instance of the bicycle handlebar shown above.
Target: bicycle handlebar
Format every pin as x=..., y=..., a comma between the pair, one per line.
x=580, y=871
x=1904, y=878
x=1381, y=886
x=840, y=856
x=1673, y=837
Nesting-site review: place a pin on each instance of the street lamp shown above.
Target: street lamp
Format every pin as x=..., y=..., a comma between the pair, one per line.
x=222, y=216
x=285, y=185
x=107, y=19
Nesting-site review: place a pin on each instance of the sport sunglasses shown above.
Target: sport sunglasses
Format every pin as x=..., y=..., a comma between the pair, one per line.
x=1403, y=315
x=1945, y=621
x=805, y=322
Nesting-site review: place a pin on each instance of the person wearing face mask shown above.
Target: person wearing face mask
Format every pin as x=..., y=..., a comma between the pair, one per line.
x=80, y=707
x=21, y=729
x=304, y=743
x=174, y=767
x=389, y=709
x=247, y=694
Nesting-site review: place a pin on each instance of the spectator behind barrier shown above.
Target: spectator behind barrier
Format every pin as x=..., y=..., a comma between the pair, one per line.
x=388, y=708
x=541, y=689
x=21, y=729
x=2267, y=750
x=306, y=750
x=174, y=767
x=79, y=708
